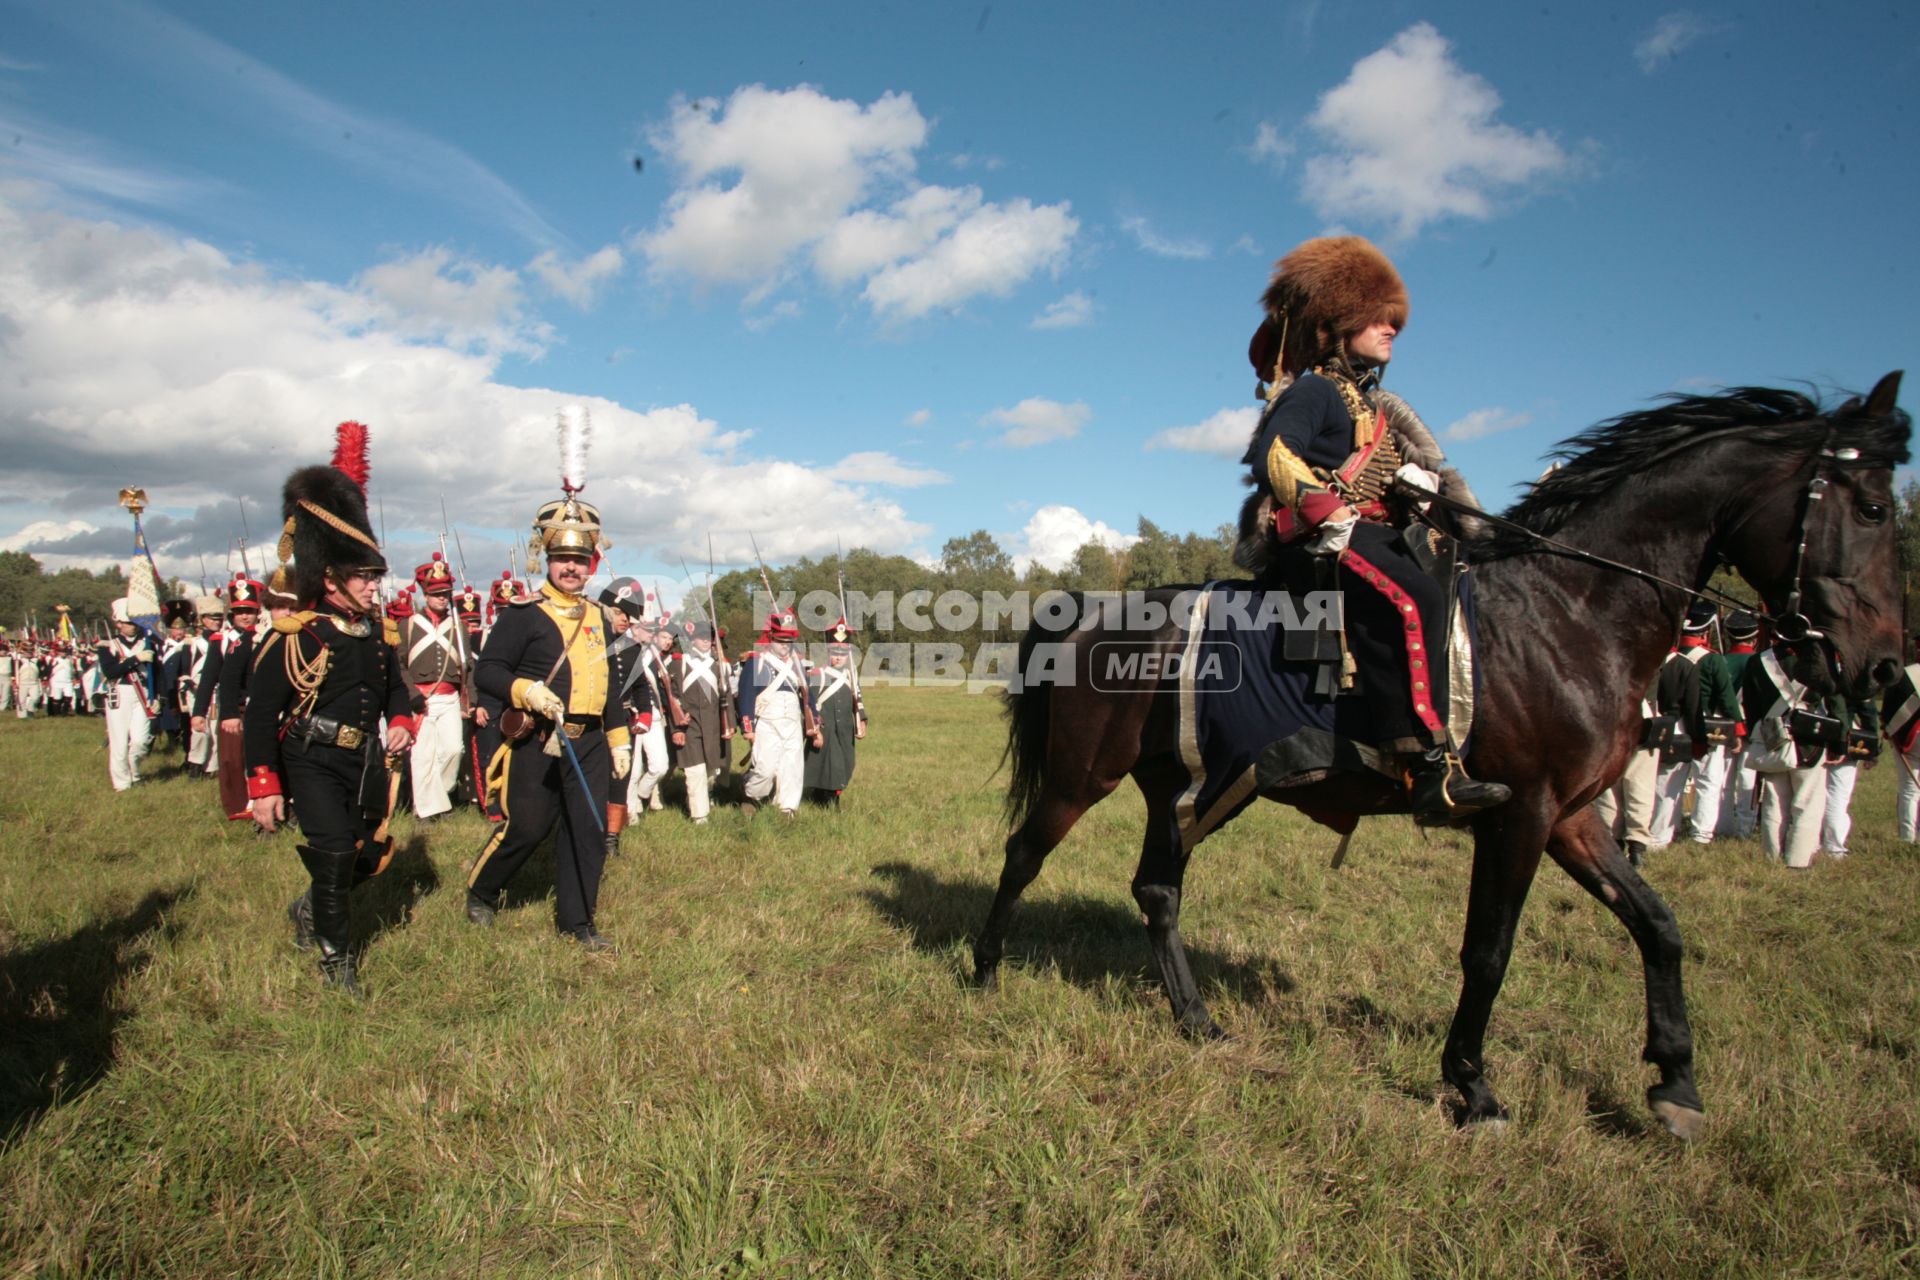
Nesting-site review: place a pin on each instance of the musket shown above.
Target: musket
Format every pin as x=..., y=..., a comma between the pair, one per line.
x=675, y=712
x=466, y=658
x=245, y=534
x=203, y=573
x=720, y=650
x=840, y=580
x=808, y=724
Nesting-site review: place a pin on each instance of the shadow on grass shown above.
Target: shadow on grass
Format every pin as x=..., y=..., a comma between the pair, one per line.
x=62, y=1005
x=1089, y=939
x=391, y=895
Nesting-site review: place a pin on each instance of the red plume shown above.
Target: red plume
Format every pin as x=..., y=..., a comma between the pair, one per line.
x=350, y=452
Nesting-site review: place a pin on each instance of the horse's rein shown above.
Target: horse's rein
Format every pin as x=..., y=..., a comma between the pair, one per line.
x=1792, y=625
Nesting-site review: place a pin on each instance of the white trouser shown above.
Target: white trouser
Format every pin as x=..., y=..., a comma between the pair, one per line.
x=6, y=690
x=699, y=801
x=779, y=751
x=650, y=764
x=29, y=698
x=1737, y=816
x=438, y=743
x=1792, y=805
x=1837, y=825
x=204, y=749
x=1908, y=806
x=1669, y=792
x=1627, y=806
x=1709, y=779
x=128, y=733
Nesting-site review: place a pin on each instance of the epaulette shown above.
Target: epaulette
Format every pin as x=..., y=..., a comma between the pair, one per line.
x=294, y=621
x=532, y=599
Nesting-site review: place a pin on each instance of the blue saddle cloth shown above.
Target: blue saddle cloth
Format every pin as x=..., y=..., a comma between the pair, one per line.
x=1250, y=719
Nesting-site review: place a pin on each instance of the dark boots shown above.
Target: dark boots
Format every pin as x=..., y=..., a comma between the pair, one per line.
x=616, y=823
x=326, y=914
x=1443, y=793
x=300, y=911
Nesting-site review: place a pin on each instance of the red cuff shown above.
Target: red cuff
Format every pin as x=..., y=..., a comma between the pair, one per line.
x=408, y=723
x=644, y=721
x=262, y=782
x=1316, y=507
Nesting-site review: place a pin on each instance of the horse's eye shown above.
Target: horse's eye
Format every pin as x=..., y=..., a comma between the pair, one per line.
x=1873, y=512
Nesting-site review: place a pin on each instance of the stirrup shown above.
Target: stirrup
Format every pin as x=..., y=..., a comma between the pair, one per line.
x=1443, y=794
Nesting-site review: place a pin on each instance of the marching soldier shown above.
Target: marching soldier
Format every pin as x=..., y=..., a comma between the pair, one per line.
x=210, y=646
x=625, y=603
x=1737, y=816
x=653, y=707
x=434, y=654
x=565, y=731
x=775, y=718
x=127, y=661
x=324, y=678
x=27, y=684
x=219, y=699
x=842, y=715
x=1693, y=687
x=700, y=684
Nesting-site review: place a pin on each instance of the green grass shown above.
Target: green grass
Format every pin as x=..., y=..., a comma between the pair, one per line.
x=781, y=1073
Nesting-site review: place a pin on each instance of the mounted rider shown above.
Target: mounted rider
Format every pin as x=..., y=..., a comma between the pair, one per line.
x=1325, y=458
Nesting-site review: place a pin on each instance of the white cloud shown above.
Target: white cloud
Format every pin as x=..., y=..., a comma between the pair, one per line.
x=1270, y=145
x=44, y=531
x=1163, y=246
x=1054, y=532
x=577, y=282
x=873, y=467
x=224, y=377
x=1412, y=139
x=993, y=251
x=467, y=303
x=1069, y=312
x=1036, y=421
x=1669, y=37
x=774, y=178
x=1225, y=434
x=918, y=418
x=1482, y=423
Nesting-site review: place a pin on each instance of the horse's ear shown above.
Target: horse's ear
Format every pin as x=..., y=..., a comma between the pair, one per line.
x=1880, y=400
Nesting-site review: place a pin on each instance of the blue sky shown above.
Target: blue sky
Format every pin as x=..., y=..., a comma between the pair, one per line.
x=889, y=273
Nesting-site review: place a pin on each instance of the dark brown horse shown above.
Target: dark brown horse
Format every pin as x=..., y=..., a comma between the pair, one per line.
x=1796, y=499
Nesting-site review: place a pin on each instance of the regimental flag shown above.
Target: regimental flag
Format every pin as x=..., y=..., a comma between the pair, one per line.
x=1900, y=715
x=143, y=577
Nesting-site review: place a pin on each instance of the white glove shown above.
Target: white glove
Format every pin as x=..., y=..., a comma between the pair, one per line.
x=1418, y=477
x=543, y=701
x=622, y=761
x=143, y=654
x=1333, y=537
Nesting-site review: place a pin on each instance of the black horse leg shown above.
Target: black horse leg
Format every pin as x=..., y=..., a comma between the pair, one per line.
x=1156, y=887
x=1027, y=849
x=1583, y=846
x=1506, y=853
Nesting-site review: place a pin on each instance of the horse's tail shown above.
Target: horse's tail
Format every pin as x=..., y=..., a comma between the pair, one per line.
x=1029, y=714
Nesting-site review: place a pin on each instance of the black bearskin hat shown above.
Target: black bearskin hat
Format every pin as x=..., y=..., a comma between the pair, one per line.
x=1321, y=292
x=325, y=509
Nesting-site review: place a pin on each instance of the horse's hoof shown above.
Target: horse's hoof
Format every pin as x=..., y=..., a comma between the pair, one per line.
x=1683, y=1123
x=1203, y=1030
x=1487, y=1126
x=986, y=979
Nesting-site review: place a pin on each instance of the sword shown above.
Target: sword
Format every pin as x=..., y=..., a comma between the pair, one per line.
x=245, y=534
x=566, y=745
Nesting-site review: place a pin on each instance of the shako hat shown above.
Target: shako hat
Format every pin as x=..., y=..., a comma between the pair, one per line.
x=279, y=592
x=1322, y=291
x=783, y=625
x=1742, y=625
x=177, y=612
x=244, y=593
x=696, y=629
x=1700, y=616
x=434, y=577
x=325, y=509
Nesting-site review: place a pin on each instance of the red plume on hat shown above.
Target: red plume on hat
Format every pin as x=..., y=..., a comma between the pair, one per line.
x=350, y=453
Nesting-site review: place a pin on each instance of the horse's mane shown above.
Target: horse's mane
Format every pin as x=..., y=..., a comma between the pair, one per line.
x=1599, y=459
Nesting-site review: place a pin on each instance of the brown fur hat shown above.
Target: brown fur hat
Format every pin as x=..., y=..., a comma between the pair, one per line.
x=1321, y=292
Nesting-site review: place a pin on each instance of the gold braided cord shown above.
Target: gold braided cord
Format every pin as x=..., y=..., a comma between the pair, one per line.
x=1288, y=474
x=286, y=542
x=304, y=674
x=327, y=517
x=1362, y=410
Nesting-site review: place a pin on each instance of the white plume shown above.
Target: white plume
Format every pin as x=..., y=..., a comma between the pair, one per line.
x=576, y=433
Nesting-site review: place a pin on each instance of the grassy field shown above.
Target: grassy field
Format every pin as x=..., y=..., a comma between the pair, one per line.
x=780, y=1073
